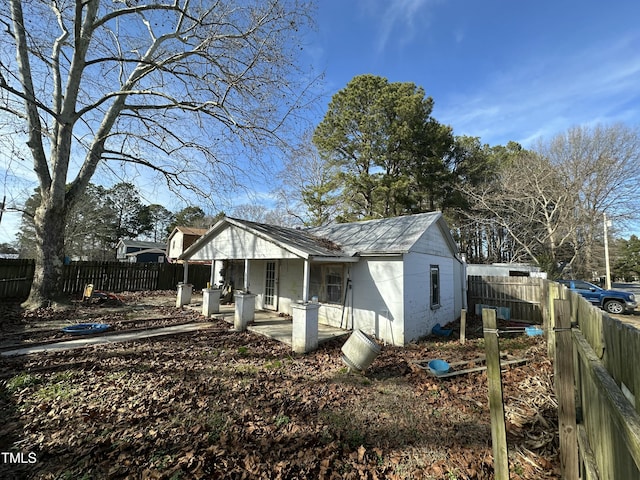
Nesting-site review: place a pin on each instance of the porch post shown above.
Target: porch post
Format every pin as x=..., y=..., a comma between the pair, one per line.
x=305, y=282
x=186, y=272
x=211, y=275
x=246, y=275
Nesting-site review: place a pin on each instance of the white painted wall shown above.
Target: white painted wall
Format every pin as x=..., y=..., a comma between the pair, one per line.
x=289, y=286
x=236, y=243
x=377, y=293
x=432, y=242
x=419, y=317
x=290, y=273
x=176, y=245
x=256, y=281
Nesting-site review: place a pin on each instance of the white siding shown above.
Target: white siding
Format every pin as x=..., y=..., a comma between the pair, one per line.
x=432, y=242
x=175, y=245
x=419, y=317
x=235, y=243
x=256, y=281
x=289, y=286
x=377, y=298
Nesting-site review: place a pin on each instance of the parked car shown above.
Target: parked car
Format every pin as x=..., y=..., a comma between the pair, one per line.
x=613, y=301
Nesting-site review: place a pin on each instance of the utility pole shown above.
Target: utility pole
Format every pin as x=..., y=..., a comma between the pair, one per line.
x=4, y=199
x=607, y=281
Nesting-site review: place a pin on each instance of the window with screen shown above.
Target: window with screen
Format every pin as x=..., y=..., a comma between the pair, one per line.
x=325, y=282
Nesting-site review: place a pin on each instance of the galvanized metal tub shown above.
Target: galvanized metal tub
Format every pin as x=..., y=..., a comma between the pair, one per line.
x=359, y=351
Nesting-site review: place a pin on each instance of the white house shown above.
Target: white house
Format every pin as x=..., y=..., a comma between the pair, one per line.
x=393, y=278
x=182, y=238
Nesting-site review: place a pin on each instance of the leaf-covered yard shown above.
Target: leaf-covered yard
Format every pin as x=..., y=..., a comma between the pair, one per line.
x=222, y=404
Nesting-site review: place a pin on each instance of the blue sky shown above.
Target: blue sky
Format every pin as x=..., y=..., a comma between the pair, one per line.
x=500, y=70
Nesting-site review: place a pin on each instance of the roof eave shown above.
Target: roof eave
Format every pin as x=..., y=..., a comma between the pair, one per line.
x=382, y=253
x=202, y=241
x=296, y=251
x=333, y=259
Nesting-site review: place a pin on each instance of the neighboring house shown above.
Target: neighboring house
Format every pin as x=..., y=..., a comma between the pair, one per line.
x=393, y=278
x=182, y=238
x=140, y=251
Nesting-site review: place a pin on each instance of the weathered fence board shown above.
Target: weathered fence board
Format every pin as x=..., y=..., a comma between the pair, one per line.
x=524, y=296
x=16, y=277
x=607, y=384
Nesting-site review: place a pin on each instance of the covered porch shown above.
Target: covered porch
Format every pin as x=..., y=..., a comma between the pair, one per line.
x=278, y=267
x=271, y=325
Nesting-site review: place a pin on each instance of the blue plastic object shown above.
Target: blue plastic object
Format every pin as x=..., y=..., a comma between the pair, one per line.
x=533, y=331
x=86, y=328
x=443, y=332
x=438, y=367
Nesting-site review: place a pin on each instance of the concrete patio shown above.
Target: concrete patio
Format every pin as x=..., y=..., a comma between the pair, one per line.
x=271, y=325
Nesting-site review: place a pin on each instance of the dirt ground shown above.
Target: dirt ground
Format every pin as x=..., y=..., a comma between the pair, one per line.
x=223, y=404
x=125, y=311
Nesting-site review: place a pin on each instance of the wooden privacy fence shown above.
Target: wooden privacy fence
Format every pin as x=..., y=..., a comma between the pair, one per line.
x=525, y=297
x=597, y=381
x=16, y=277
x=605, y=382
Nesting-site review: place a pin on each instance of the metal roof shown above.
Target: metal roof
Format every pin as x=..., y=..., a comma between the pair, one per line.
x=292, y=238
x=382, y=237
x=393, y=235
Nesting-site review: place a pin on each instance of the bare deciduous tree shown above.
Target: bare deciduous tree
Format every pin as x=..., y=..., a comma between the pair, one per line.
x=600, y=166
x=551, y=201
x=182, y=87
x=309, y=191
x=528, y=201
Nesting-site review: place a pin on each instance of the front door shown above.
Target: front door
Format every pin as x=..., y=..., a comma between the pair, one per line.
x=271, y=286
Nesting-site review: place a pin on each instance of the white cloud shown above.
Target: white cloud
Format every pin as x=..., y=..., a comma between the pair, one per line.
x=398, y=18
x=542, y=98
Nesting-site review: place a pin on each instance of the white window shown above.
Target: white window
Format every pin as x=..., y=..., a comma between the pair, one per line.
x=325, y=282
x=435, y=286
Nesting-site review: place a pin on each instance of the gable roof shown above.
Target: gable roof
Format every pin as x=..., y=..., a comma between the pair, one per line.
x=297, y=241
x=159, y=251
x=188, y=231
x=387, y=236
x=394, y=235
x=141, y=244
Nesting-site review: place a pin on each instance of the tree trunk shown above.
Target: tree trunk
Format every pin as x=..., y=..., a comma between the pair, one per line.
x=47, y=279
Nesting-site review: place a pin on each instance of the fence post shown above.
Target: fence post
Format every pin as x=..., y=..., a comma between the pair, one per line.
x=496, y=405
x=549, y=328
x=565, y=390
x=463, y=326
